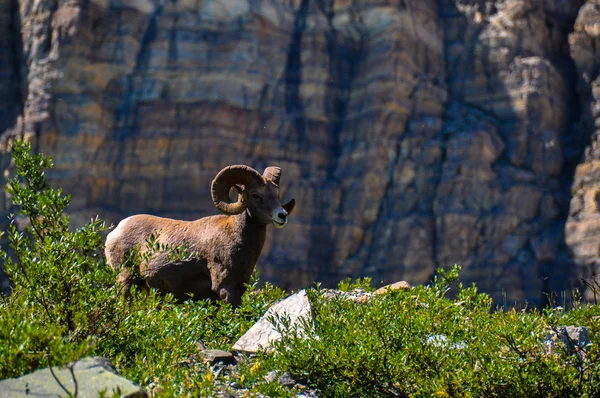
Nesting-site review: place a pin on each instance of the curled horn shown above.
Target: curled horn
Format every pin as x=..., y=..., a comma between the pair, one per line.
x=225, y=180
x=273, y=174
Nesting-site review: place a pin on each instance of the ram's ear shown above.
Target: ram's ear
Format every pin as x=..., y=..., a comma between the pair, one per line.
x=289, y=206
x=238, y=188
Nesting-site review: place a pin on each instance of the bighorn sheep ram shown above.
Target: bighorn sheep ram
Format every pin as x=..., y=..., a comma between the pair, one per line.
x=225, y=247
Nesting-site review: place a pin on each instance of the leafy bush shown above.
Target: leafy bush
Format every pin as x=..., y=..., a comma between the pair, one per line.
x=65, y=303
x=420, y=343
x=63, y=299
x=414, y=343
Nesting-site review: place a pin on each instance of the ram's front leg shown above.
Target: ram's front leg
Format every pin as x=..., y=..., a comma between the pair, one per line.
x=230, y=294
x=225, y=286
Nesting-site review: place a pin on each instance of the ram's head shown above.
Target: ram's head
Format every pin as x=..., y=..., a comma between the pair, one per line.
x=258, y=194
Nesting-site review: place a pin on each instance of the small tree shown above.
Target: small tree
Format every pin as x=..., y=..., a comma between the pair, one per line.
x=62, y=271
x=64, y=295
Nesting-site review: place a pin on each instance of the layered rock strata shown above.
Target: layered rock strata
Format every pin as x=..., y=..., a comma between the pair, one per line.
x=413, y=134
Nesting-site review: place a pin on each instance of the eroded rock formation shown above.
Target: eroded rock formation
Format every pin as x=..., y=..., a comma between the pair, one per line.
x=583, y=225
x=413, y=133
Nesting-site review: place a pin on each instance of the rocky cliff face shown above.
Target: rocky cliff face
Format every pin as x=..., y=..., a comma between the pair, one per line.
x=583, y=225
x=413, y=134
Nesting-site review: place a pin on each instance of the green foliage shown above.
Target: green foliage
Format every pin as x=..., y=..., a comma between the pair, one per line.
x=159, y=346
x=420, y=343
x=406, y=343
x=66, y=304
x=60, y=290
x=27, y=343
x=361, y=283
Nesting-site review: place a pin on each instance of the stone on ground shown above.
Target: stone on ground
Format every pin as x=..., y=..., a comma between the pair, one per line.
x=215, y=356
x=575, y=338
x=260, y=336
x=402, y=285
x=93, y=377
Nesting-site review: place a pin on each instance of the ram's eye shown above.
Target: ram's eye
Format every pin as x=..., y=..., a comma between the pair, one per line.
x=256, y=196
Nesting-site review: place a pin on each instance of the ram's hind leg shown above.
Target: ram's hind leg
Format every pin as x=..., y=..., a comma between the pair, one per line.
x=126, y=279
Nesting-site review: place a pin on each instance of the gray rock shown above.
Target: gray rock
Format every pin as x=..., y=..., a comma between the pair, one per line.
x=235, y=384
x=215, y=356
x=89, y=377
x=284, y=379
x=260, y=336
x=357, y=295
x=271, y=375
x=575, y=338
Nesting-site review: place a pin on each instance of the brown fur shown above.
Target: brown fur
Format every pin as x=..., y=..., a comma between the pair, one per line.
x=225, y=249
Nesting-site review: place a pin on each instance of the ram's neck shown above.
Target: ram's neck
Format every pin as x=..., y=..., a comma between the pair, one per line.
x=251, y=231
x=251, y=235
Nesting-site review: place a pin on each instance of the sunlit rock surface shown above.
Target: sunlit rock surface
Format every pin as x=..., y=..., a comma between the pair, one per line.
x=413, y=134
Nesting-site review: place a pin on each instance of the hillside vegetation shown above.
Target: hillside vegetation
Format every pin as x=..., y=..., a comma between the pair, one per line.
x=420, y=342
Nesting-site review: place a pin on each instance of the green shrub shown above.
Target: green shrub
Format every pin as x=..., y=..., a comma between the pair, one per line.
x=65, y=303
x=414, y=343
x=62, y=300
x=419, y=343
x=27, y=343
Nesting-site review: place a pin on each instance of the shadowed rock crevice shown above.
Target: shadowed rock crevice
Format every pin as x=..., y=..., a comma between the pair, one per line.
x=346, y=51
x=293, y=71
x=346, y=55
x=562, y=274
x=142, y=60
x=13, y=87
x=582, y=226
x=126, y=90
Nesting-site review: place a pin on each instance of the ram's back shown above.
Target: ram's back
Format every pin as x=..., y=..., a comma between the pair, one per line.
x=135, y=231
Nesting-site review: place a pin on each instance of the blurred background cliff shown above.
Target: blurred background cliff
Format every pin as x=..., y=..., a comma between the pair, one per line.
x=413, y=134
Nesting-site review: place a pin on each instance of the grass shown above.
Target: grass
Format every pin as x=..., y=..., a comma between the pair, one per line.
x=415, y=343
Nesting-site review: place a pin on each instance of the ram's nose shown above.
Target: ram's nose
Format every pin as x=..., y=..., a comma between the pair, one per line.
x=279, y=217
